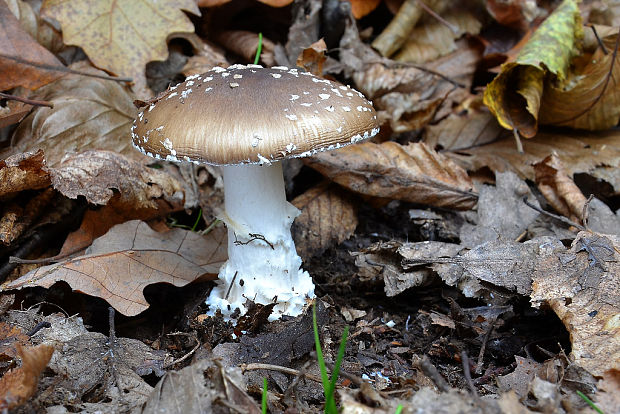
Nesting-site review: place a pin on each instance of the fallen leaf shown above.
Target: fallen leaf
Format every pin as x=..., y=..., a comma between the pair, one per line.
x=514, y=96
x=120, y=264
x=518, y=380
x=328, y=217
x=515, y=14
x=559, y=189
x=361, y=8
x=17, y=43
x=272, y=3
x=245, y=44
x=19, y=384
x=597, y=154
x=434, y=39
x=203, y=384
x=469, y=126
x=582, y=286
x=13, y=113
x=109, y=35
x=608, y=396
x=23, y=172
x=501, y=212
x=591, y=100
x=97, y=174
x=313, y=57
x=88, y=113
x=413, y=173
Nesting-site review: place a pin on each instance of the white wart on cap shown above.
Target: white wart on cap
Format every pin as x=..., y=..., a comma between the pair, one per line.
x=249, y=114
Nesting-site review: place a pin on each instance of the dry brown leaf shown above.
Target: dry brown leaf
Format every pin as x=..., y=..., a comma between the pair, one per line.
x=16, y=42
x=434, y=38
x=96, y=174
x=245, y=44
x=120, y=264
x=13, y=112
x=272, y=3
x=361, y=8
x=88, y=113
x=40, y=29
x=559, y=188
x=516, y=14
x=592, y=100
x=582, y=286
x=413, y=173
x=111, y=38
x=328, y=217
x=19, y=384
x=595, y=153
x=608, y=396
x=468, y=126
x=23, y=172
x=313, y=57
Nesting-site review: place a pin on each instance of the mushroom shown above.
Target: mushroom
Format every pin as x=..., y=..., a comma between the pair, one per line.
x=246, y=119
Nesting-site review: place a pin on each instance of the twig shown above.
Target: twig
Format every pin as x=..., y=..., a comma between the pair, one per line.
x=232, y=282
x=355, y=380
x=38, y=327
x=285, y=370
x=184, y=357
x=63, y=69
x=555, y=216
x=467, y=374
x=585, y=212
x=33, y=102
x=253, y=236
x=112, y=350
x=430, y=11
x=598, y=39
x=430, y=371
x=484, y=346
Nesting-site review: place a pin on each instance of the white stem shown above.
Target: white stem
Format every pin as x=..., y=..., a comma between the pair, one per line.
x=262, y=265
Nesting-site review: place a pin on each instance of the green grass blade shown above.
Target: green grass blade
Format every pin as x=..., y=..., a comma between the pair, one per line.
x=340, y=357
x=319, y=351
x=263, y=403
x=399, y=409
x=197, y=220
x=259, y=48
x=590, y=402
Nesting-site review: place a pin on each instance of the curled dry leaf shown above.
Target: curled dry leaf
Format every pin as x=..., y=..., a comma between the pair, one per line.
x=111, y=38
x=559, y=188
x=245, y=44
x=95, y=174
x=413, y=173
x=121, y=263
x=88, y=113
x=23, y=172
x=328, y=217
x=582, y=286
x=19, y=384
x=15, y=41
x=313, y=57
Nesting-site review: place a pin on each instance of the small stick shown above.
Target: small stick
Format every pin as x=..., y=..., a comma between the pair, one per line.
x=555, y=216
x=232, y=282
x=484, y=345
x=285, y=370
x=184, y=357
x=430, y=371
x=467, y=373
x=33, y=102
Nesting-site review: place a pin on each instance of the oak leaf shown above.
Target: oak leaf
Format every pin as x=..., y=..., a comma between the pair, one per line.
x=121, y=263
x=122, y=36
x=413, y=173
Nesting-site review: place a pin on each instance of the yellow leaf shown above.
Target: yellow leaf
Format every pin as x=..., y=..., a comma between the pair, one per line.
x=121, y=36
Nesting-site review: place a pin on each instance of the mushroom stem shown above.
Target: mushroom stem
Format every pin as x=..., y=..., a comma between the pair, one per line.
x=262, y=265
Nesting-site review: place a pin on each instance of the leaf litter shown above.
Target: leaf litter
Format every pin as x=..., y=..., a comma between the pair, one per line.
x=437, y=239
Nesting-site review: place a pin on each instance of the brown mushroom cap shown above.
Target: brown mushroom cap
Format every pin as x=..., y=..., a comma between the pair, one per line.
x=250, y=114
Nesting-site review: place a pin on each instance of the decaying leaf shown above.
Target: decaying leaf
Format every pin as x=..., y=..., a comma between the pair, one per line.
x=514, y=96
x=19, y=384
x=109, y=35
x=96, y=174
x=203, y=384
x=597, y=154
x=16, y=42
x=13, y=113
x=328, y=217
x=88, y=113
x=245, y=44
x=582, y=286
x=413, y=173
x=23, y=172
x=120, y=264
x=559, y=189
x=11, y=336
x=361, y=8
x=434, y=38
